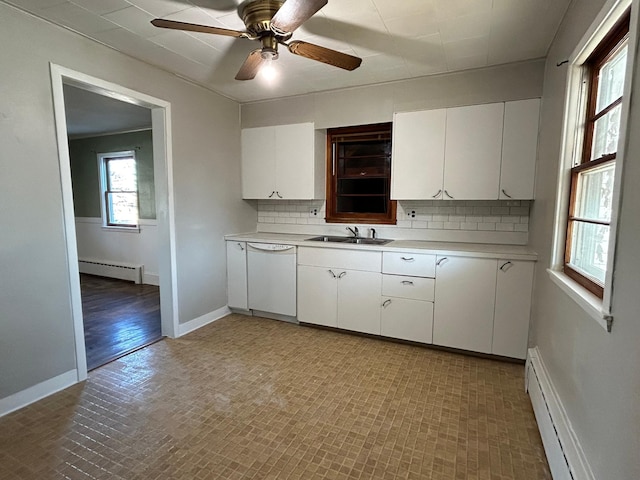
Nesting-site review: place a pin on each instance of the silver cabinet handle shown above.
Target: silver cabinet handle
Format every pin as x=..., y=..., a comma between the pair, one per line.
x=363, y=174
x=439, y=262
x=342, y=274
x=437, y=194
x=332, y=274
x=278, y=194
x=506, y=265
x=407, y=282
x=407, y=259
x=447, y=194
x=506, y=194
x=386, y=303
x=241, y=247
x=272, y=194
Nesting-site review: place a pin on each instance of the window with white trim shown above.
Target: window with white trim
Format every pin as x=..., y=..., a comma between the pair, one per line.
x=593, y=171
x=119, y=189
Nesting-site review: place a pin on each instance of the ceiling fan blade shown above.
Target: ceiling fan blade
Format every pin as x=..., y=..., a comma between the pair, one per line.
x=251, y=66
x=324, y=55
x=194, y=27
x=293, y=14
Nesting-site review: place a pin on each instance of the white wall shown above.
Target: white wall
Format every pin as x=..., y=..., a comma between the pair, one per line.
x=596, y=373
x=36, y=328
x=377, y=103
x=139, y=247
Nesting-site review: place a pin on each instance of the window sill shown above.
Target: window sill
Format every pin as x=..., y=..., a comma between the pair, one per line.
x=583, y=297
x=121, y=229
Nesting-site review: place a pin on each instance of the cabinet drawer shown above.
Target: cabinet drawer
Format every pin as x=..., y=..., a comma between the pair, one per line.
x=415, y=288
x=338, y=258
x=407, y=263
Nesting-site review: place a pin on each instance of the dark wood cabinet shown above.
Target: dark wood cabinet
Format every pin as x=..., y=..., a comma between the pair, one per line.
x=359, y=174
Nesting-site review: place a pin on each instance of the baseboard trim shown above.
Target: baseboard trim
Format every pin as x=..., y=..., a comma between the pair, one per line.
x=561, y=444
x=150, y=279
x=37, y=392
x=200, y=322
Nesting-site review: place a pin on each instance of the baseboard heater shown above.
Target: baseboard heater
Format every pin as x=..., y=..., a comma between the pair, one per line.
x=122, y=271
x=565, y=456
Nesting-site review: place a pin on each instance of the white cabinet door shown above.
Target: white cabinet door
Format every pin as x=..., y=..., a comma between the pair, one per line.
x=407, y=319
x=359, y=301
x=295, y=161
x=237, y=275
x=418, y=155
x=258, y=162
x=317, y=296
x=464, y=303
x=513, y=308
x=519, y=148
x=473, y=152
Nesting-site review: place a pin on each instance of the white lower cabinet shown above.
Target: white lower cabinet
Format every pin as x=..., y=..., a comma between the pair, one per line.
x=407, y=319
x=475, y=304
x=464, y=303
x=359, y=301
x=483, y=305
x=237, y=275
x=513, y=307
x=333, y=295
x=317, y=296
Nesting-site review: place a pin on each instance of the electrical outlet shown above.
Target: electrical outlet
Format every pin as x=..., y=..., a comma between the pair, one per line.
x=314, y=212
x=412, y=214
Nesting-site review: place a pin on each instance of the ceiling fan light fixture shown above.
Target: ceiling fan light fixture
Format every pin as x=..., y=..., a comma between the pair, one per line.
x=269, y=47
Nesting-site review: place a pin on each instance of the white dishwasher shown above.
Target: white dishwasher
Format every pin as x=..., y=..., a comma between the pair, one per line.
x=271, y=270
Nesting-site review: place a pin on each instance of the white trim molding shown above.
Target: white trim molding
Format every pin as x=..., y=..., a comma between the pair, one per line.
x=584, y=298
x=203, y=320
x=37, y=392
x=567, y=460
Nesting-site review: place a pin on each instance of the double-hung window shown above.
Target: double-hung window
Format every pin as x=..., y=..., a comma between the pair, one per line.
x=592, y=175
x=119, y=187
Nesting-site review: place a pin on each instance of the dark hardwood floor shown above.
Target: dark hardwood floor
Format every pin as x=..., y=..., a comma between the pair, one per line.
x=119, y=317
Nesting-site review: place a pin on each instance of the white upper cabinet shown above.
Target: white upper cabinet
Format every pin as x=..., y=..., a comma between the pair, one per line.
x=283, y=162
x=473, y=151
x=418, y=154
x=519, y=149
x=258, y=162
x=478, y=152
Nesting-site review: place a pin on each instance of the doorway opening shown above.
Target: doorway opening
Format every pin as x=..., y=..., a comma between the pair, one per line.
x=152, y=299
x=112, y=175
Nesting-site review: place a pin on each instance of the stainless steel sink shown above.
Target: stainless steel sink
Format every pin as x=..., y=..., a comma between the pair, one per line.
x=353, y=240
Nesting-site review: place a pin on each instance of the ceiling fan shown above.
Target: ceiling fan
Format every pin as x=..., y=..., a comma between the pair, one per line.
x=272, y=22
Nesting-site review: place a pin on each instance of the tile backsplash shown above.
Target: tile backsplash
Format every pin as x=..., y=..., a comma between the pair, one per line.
x=432, y=219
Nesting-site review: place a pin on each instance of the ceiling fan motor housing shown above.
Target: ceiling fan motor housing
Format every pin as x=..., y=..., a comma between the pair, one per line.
x=257, y=16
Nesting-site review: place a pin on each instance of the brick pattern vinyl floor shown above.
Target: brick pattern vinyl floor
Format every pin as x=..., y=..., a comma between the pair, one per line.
x=250, y=398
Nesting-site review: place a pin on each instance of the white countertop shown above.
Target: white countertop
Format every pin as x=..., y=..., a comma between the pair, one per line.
x=512, y=252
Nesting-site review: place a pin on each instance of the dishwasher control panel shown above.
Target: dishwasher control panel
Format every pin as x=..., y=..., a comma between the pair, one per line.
x=275, y=247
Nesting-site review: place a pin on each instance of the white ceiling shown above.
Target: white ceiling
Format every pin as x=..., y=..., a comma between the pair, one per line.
x=89, y=114
x=397, y=39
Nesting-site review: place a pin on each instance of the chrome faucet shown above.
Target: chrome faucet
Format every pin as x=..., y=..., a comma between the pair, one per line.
x=354, y=230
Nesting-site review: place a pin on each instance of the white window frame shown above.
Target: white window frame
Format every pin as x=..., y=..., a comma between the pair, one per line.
x=571, y=149
x=102, y=158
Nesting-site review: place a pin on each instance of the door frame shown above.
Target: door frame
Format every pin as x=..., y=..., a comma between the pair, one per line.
x=163, y=176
